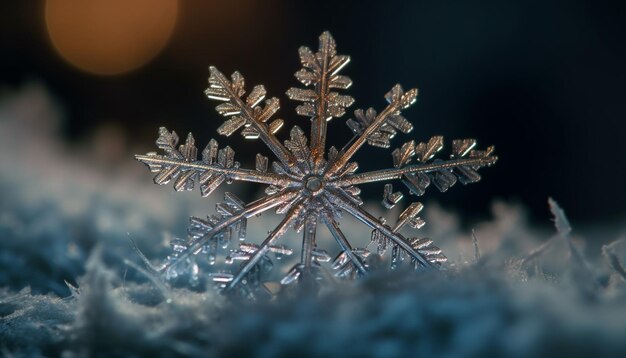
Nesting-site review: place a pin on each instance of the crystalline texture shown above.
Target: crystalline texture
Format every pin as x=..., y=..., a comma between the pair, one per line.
x=308, y=184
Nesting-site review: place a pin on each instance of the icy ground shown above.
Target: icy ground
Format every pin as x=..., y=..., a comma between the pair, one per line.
x=65, y=219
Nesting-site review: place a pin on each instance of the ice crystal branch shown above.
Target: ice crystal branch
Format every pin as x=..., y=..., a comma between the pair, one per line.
x=246, y=113
x=215, y=167
x=462, y=165
x=311, y=186
x=320, y=71
x=377, y=129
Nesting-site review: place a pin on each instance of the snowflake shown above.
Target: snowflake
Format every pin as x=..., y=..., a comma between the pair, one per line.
x=307, y=184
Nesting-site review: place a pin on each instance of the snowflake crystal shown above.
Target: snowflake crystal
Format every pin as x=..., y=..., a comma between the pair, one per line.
x=307, y=184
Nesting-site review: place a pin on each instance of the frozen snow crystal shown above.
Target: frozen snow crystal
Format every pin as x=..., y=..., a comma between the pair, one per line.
x=309, y=184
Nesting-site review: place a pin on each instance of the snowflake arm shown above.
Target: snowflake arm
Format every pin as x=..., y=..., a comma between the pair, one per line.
x=158, y=161
x=390, y=174
x=464, y=163
x=252, y=209
x=246, y=113
x=216, y=165
x=265, y=246
x=320, y=71
x=422, y=258
x=371, y=127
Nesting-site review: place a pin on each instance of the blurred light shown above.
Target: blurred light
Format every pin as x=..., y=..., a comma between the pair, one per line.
x=108, y=37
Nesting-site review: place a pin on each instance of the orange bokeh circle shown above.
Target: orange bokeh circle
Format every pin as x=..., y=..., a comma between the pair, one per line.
x=108, y=37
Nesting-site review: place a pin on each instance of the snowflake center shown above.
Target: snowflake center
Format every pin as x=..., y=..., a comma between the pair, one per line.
x=314, y=184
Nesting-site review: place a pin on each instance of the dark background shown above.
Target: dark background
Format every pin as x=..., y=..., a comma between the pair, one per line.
x=544, y=81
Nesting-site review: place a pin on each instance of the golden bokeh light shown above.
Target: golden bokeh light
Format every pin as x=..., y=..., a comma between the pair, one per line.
x=108, y=37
